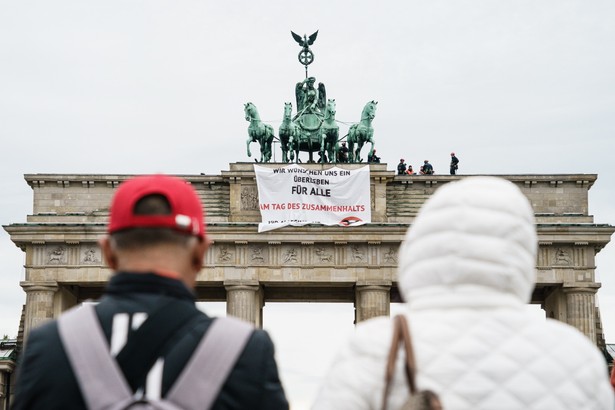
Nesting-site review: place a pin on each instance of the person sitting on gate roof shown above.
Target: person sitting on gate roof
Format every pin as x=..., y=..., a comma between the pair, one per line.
x=343, y=153
x=427, y=168
x=373, y=158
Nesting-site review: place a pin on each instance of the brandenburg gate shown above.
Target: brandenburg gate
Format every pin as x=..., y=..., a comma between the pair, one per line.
x=63, y=264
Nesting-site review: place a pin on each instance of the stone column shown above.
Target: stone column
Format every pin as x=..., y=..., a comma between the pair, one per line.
x=581, y=309
x=39, y=303
x=7, y=369
x=371, y=301
x=245, y=302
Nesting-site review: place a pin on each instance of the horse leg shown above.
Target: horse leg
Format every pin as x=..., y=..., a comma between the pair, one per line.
x=262, y=148
x=291, y=148
x=248, y=146
x=331, y=150
x=268, y=150
x=350, y=151
x=285, y=149
x=323, y=140
x=358, y=153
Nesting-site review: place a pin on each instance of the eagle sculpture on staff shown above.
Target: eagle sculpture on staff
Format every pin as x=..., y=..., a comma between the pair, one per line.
x=305, y=55
x=305, y=41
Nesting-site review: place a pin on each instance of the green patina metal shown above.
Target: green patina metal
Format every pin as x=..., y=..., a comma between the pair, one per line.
x=362, y=132
x=288, y=134
x=329, y=145
x=313, y=128
x=258, y=132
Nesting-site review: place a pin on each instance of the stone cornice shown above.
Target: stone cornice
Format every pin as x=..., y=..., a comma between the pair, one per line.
x=246, y=169
x=597, y=235
x=84, y=179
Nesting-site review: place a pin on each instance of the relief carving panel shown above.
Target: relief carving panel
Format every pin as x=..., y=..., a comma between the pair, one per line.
x=390, y=256
x=56, y=255
x=324, y=255
x=257, y=254
x=357, y=254
x=562, y=257
x=249, y=198
x=225, y=255
x=290, y=255
x=90, y=255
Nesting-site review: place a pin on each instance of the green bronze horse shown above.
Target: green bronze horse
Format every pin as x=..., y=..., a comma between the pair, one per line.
x=362, y=133
x=288, y=134
x=258, y=132
x=330, y=132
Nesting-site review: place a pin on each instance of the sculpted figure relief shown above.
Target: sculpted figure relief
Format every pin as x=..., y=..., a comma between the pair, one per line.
x=249, y=198
x=57, y=255
x=90, y=256
x=224, y=255
x=561, y=257
x=323, y=255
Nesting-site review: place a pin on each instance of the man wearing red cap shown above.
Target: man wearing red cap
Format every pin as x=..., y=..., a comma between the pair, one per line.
x=145, y=341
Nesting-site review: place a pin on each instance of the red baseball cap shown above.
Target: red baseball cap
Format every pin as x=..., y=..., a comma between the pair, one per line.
x=186, y=215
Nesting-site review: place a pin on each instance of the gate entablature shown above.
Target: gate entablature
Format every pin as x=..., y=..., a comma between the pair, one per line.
x=64, y=266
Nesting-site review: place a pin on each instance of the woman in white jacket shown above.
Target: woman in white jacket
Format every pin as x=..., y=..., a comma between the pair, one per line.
x=467, y=270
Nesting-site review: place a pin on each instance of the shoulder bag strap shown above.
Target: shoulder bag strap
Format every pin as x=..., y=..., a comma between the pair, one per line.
x=400, y=335
x=98, y=375
x=410, y=367
x=201, y=380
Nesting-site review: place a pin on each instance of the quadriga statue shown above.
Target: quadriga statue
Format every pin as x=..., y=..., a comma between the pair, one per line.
x=288, y=134
x=362, y=133
x=258, y=132
x=330, y=133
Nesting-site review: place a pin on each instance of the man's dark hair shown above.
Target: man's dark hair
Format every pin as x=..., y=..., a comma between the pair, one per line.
x=154, y=204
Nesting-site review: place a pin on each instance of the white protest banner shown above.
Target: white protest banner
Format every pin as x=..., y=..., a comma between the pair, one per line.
x=293, y=195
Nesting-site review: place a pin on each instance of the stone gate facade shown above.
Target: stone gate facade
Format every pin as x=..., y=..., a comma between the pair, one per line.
x=312, y=263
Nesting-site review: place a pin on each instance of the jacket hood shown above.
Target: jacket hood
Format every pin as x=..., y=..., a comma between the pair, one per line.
x=473, y=243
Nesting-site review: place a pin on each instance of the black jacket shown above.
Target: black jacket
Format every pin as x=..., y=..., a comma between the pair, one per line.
x=45, y=379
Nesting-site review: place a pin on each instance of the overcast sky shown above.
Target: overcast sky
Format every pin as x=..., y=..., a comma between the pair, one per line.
x=108, y=87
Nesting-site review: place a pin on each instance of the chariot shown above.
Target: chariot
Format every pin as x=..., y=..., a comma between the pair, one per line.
x=313, y=128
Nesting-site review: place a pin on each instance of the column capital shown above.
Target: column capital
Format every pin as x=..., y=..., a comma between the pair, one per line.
x=245, y=301
x=373, y=286
x=230, y=286
x=47, y=286
x=371, y=300
x=575, y=287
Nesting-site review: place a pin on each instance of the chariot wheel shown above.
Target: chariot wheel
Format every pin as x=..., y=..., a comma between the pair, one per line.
x=306, y=57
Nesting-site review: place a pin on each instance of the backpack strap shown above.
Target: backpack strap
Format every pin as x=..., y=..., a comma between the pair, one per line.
x=152, y=339
x=204, y=375
x=99, y=377
x=103, y=385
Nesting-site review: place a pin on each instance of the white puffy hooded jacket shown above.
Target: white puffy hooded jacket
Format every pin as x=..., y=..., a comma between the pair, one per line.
x=467, y=270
